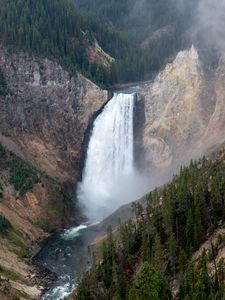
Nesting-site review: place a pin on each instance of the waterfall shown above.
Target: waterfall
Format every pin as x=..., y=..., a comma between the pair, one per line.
x=109, y=181
x=109, y=173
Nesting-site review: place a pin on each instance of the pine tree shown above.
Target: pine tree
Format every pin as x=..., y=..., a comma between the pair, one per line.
x=158, y=253
x=150, y=284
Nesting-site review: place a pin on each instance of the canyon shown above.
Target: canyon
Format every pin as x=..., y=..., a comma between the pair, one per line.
x=46, y=119
x=44, y=116
x=184, y=112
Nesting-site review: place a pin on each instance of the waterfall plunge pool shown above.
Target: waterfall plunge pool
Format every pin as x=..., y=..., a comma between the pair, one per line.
x=109, y=181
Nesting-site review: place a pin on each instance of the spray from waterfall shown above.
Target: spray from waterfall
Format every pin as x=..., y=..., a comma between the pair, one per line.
x=109, y=177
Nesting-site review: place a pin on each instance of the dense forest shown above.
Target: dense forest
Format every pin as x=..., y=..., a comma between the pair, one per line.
x=54, y=29
x=141, y=36
x=151, y=257
x=156, y=31
x=57, y=29
x=142, y=17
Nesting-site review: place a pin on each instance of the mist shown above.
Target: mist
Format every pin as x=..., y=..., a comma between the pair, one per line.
x=104, y=188
x=203, y=20
x=209, y=24
x=109, y=177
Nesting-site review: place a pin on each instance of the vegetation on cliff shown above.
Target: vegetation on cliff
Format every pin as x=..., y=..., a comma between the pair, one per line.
x=140, y=37
x=3, y=84
x=159, y=245
x=23, y=176
x=31, y=205
x=136, y=18
x=155, y=31
x=56, y=209
x=4, y=224
x=140, y=43
x=53, y=28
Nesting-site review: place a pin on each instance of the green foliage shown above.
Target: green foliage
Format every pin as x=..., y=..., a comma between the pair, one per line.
x=33, y=27
x=3, y=84
x=153, y=30
x=172, y=225
x=4, y=225
x=9, y=274
x=150, y=284
x=197, y=284
x=2, y=151
x=140, y=37
x=42, y=223
x=137, y=20
x=22, y=175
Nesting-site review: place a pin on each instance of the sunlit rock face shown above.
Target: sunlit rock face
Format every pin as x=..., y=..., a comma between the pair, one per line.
x=184, y=111
x=215, y=131
x=47, y=112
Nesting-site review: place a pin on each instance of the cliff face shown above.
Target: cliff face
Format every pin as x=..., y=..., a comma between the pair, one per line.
x=215, y=131
x=44, y=115
x=35, y=205
x=184, y=111
x=45, y=112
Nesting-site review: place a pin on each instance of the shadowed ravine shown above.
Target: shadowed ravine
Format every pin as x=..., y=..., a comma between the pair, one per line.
x=109, y=180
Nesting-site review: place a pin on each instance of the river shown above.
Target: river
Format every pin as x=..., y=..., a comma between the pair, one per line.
x=109, y=180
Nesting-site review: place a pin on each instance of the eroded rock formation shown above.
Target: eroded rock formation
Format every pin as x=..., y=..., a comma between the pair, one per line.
x=184, y=111
x=47, y=111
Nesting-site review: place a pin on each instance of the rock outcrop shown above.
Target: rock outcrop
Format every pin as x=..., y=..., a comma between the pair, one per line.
x=184, y=112
x=215, y=131
x=34, y=205
x=46, y=111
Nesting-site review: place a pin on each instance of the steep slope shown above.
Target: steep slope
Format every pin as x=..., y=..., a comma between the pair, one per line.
x=47, y=107
x=216, y=124
x=143, y=17
x=32, y=205
x=155, y=254
x=156, y=29
x=184, y=111
x=44, y=117
x=178, y=234
x=33, y=27
x=173, y=105
x=45, y=112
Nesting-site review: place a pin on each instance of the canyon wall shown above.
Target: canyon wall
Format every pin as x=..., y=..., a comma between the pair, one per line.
x=45, y=112
x=184, y=112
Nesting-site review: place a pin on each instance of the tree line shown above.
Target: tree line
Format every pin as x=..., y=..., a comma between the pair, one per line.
x=54, y=29
x=58, y=30
x=147, y=255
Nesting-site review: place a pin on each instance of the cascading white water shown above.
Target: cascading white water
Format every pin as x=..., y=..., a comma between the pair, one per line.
x=109, y=180
x=109, y=177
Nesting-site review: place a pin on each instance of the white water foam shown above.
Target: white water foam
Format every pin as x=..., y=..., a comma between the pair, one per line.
x=109, y=178
x=73, y=232
x=60, y=291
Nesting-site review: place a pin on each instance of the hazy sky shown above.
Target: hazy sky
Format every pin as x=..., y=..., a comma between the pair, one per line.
x=210, y=21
